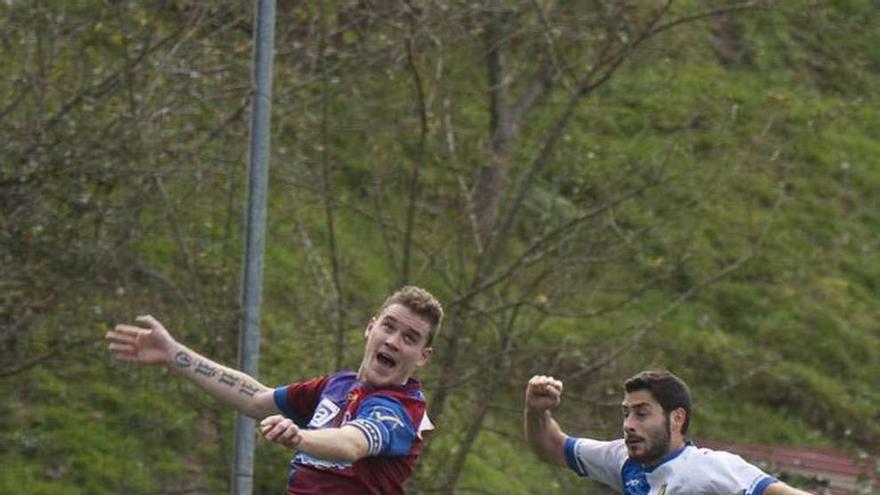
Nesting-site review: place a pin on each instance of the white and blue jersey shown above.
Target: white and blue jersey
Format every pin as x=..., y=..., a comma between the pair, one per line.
x=687, y=471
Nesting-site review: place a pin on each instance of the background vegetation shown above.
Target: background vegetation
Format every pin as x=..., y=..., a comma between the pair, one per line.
x=590, y=187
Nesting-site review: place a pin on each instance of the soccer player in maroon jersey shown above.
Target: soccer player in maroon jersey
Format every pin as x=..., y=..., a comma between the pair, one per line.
x=353, y=432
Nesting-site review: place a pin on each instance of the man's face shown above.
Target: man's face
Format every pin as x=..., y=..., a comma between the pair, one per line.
x=646, y=428
x=396, y=346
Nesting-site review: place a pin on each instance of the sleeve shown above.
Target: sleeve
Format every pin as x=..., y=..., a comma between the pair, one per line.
x=601, y=461
x=387, y=426
x=297, y=401
x=732, y=474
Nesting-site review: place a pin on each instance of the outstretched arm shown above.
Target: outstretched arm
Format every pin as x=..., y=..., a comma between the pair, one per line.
x=149, y=343
x=543, y=434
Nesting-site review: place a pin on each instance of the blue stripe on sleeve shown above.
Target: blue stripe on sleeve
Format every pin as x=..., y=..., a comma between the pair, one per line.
x=571, y=457
x=280, y=397
x=762, y=485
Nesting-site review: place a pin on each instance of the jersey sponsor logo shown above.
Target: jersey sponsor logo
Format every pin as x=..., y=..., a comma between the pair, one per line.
x=633, y=483
x=324, y=413
x=387, y=417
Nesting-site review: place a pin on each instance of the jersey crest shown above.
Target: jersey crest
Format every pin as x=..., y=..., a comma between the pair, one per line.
x=324, y=413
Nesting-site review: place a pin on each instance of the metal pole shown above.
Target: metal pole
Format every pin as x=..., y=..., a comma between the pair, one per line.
x=252, y=280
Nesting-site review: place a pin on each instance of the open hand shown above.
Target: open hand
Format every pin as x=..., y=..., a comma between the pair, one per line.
x=148, y=342
x=281, y=430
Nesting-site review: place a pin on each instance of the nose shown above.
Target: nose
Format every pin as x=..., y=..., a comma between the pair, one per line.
x=628, y=426
x=393, y=340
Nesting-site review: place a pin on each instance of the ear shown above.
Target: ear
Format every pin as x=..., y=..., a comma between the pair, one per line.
x=369, y=326
x=677, y=416
x=425, y=356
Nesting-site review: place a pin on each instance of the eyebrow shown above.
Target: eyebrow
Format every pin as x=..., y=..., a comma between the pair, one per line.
x=406, y=328
x=637, y=405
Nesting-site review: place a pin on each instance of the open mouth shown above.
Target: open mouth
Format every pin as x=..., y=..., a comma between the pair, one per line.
x=633, y=441
x=385, y=360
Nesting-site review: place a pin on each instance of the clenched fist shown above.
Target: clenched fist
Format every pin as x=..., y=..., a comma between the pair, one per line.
x=281, y=430
x=543, y=393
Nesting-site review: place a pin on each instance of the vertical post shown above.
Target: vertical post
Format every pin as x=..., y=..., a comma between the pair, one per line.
x=255, y=228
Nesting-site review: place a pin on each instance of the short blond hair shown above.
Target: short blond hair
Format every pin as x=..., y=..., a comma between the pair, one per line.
x=420, y=302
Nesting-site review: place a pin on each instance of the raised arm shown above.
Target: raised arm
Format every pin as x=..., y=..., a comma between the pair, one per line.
x=149, y=343
x=543, y=434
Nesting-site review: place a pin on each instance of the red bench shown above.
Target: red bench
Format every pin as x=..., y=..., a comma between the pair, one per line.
x=834, y=472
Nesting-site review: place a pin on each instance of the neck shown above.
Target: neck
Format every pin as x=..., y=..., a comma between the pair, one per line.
x=675, y=444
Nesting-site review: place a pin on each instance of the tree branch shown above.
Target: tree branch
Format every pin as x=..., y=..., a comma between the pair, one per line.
x=58, y=351
x=420, y=153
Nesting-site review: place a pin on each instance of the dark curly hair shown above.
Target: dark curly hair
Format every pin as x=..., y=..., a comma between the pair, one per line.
x=667, y=389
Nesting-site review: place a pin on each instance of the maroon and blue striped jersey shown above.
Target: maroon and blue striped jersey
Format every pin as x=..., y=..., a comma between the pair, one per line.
x=392, y=419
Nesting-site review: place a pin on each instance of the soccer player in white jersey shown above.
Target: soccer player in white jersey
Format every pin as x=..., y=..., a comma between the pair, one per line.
x=653, y=457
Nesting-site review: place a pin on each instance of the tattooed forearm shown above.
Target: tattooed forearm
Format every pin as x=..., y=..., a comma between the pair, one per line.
x=206, y=369
x=213, y=374
x=182, y=360
x=228, y=379
x=248, y=389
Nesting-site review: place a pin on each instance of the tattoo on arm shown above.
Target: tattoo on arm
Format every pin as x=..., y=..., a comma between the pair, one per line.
x=248, y=389
x=206, y=369
x=182, y=360
x=228, y=379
